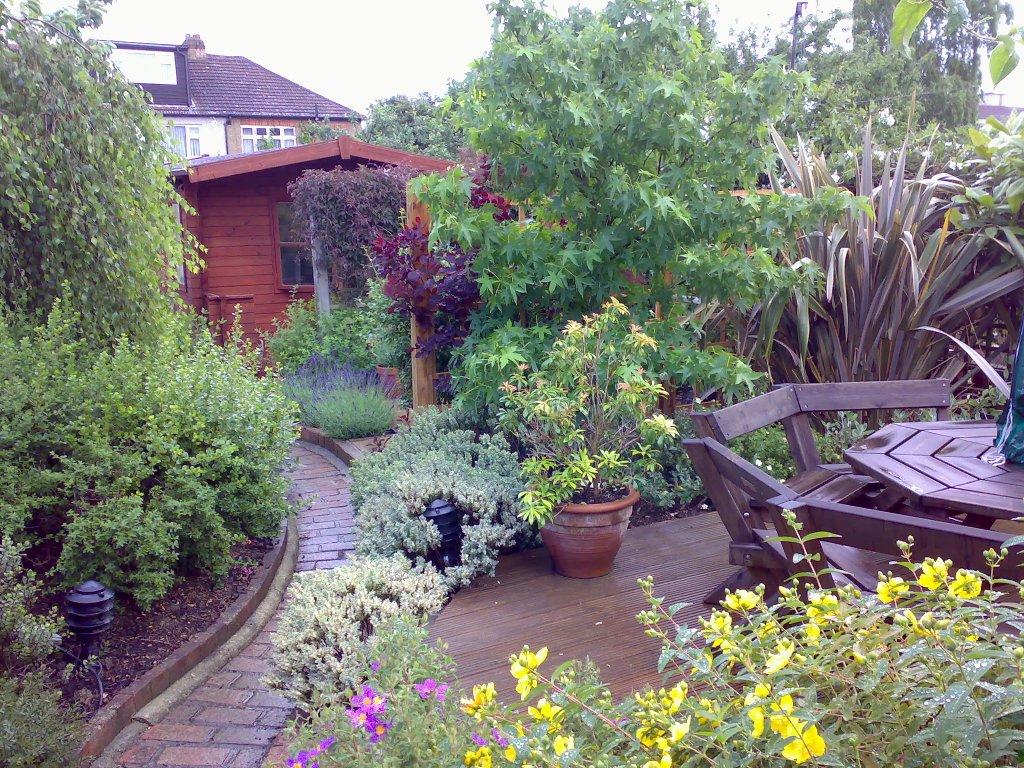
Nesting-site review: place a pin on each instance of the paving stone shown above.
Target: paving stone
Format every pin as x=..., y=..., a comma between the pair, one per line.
x=228, y=696
x=250, y=757
x=178, y=732
x=140, y=754
x=245, y=663
x=243, y=736
x=212, y=757
x=274, y=718
x=228, y=715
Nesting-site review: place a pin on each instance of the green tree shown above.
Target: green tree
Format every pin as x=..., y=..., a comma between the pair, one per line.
x=625, y=137
x=86, y=211
x=946, y=49
x=421, y=124
x=318, y=130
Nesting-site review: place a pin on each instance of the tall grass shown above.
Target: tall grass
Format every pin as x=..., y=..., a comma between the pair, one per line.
x=343, y=401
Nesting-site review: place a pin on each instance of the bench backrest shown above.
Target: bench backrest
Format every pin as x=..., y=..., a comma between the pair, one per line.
x=791, y=405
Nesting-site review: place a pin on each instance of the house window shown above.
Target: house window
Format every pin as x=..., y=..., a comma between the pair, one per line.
x=184, y=140
x=295, y=253
x=151, y=67
x=257, y=137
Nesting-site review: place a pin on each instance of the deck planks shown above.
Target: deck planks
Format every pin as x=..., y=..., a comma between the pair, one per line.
x=527, y=603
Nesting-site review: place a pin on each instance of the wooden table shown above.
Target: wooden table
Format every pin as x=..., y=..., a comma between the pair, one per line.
x=938, y=467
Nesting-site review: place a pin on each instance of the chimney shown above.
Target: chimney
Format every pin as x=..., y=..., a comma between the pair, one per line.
x=195, y=46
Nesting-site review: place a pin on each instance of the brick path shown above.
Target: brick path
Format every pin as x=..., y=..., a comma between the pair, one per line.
x=232, y=720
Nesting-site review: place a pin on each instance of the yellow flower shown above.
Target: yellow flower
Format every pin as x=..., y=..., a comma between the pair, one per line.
x=664, y=762
x=527, y=662
x=783, y=653
x=742, y=600
x=482, y=696
x=618, y=306
x=823, y=605
x=510, y=753
x=563, y=744
x=756, y=716
x=812, y=632
x=889, y=590
x=524, y=686
x=478, y=758
x=716, y=628
x=783, y=723
x=674, y=698
x=806, y=744
x=966, y=585
x=546, y=711
x=677, y=731
x=934, y=573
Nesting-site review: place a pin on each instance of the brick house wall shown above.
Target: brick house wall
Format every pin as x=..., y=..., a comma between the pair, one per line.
x=233, y=128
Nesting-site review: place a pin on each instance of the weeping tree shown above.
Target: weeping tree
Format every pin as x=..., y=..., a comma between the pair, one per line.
x=635, y=156
x=86, y=211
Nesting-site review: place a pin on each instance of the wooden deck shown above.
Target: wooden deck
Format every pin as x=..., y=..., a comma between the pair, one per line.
x=527, y=603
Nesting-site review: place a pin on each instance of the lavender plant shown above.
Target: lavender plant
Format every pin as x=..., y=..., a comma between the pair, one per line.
x=344, y=402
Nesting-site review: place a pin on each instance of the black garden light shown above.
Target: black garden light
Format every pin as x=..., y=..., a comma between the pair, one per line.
x=445, y=516
x=88, y=612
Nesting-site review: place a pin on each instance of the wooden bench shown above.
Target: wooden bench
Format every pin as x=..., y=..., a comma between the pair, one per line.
x=741, y=492
x=867, y=537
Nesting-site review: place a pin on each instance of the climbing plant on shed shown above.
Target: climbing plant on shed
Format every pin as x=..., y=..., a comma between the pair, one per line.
x=625, y=138
x=347, y=210
x=85, y=211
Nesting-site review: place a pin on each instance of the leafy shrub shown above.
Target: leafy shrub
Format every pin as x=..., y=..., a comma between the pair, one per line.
x=587, y=416
x=142, y=462
x=920, y=674
x=69, y=226
x=436, y=457
x=329, y=614
x=387, y=334
x=420, y=714
x=346, y=211
x=24, y=637
x=341, y=336
x=343, y=402
x=36, y=731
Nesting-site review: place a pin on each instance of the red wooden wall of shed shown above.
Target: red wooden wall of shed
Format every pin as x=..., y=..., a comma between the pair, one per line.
x=235, y=221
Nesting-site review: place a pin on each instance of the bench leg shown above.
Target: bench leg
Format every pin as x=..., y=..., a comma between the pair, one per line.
x=747, y=578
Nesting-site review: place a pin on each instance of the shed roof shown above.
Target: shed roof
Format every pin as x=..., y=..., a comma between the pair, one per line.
x=345, y=147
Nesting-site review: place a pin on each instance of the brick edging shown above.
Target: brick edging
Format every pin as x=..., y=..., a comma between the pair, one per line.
x=104, y=726
x=328, y=443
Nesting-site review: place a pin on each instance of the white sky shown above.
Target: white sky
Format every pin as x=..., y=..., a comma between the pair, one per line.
x=358, y=51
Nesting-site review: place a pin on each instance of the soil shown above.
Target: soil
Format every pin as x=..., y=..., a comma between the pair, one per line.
x=645, y=513
x=608, y=494
x=136, y=641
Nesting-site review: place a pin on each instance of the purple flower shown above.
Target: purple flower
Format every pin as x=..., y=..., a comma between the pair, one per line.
x=378, y=731
x=441, y=691
x=431, y=688
x=305, y=759
x=375, y=666
x=479, y=740
x=499, y=738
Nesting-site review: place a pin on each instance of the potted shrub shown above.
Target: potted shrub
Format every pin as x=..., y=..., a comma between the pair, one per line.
x=587, y=419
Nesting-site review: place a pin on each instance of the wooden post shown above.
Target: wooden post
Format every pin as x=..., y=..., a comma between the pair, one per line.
x=666, y=402
x=321, y=278
x=423, y=367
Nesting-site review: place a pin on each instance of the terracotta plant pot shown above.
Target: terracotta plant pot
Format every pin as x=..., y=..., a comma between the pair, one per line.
x=583, y=539
x=391, y=381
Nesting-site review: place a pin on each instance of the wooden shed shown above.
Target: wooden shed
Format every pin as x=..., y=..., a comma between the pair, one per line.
x=243, y=217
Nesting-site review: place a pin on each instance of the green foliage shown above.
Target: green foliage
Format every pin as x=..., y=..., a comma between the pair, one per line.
x=889, y=266
x=85, y=213
x=329, y=614
x=422, y=124
x=425, y=732
x=24, y=637
x=347, y=412
x=340, y=336
x=140, y=462
x=387, y=333
x=586, y=417
x=986, y=404
x=572, y=115
x=344, y=211
x=36, y=731
x=918, y=675
x=434, y=457
x=947, y=48
x=313, y=131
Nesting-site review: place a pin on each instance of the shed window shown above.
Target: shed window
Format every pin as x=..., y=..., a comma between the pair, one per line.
x=295, y=253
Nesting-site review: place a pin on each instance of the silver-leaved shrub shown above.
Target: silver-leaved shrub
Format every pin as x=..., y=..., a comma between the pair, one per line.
x=329, y=614
x=436, y=457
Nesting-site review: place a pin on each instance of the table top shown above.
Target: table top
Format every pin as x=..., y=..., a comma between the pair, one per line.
x=940, y=465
